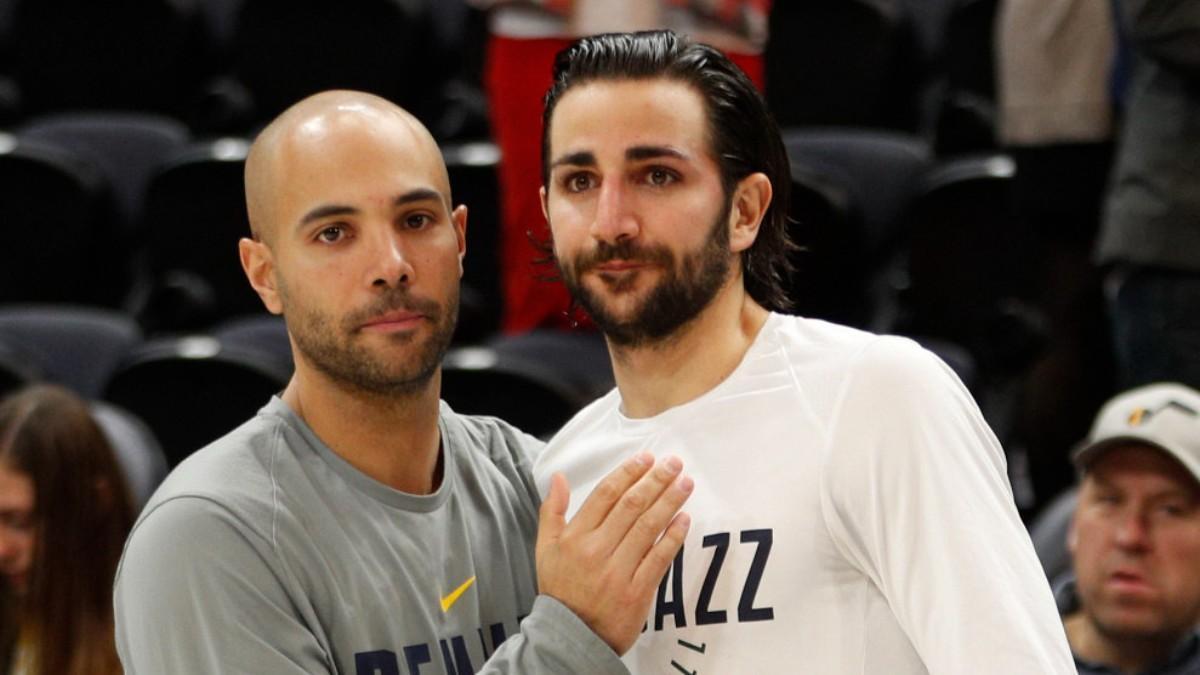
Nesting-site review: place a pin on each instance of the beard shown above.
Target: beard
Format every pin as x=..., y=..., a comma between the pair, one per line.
x=688, y=286
x=329, y=344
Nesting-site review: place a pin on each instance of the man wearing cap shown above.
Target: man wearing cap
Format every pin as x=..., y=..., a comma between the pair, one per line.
x=1135, y=538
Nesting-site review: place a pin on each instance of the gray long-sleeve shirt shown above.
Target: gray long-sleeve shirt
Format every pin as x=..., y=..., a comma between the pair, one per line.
x=268, y=553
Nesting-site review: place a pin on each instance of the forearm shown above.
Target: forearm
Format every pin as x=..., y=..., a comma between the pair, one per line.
x=553, y=641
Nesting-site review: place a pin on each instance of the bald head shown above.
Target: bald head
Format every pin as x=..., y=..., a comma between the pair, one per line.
x=311, y=129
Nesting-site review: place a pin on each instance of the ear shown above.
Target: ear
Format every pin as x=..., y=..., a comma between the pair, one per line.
x=459, y=218
x=749, y=204
x=542, y=196
x=259, y=265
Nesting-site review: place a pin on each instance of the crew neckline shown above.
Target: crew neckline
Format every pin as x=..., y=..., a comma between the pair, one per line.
x=758, y=347
x=365, y=484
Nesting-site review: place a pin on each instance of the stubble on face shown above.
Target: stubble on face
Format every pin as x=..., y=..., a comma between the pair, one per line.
x=333, y=345
x=689, y=284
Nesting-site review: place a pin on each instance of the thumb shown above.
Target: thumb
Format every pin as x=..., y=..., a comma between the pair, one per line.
x=552, y=517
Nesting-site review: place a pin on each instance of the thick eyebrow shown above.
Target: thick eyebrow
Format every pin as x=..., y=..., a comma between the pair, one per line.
x=641, y=152
x=417, y=195
x=327, y=210
x=635, y=154
x=581, y=158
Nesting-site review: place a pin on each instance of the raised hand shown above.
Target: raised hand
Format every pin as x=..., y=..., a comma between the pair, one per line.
x=606, y=563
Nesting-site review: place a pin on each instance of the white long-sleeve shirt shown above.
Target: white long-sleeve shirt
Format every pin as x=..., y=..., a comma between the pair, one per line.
x=851, y=516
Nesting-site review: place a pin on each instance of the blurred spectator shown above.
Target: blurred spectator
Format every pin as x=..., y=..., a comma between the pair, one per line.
x=64, y=514
x=1054, y=65
x=1135, y=599
x=524, y=37
x=1151, y=230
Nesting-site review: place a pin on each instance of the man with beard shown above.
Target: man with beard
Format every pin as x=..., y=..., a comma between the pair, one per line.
x=852, y=513
x=1134, y=601
x=356, y=524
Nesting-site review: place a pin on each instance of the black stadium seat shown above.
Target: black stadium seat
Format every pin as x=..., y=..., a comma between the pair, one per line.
x=60, y=242
x=76, y=347
x=192, y=390
x=127, y=146
x=195, y=215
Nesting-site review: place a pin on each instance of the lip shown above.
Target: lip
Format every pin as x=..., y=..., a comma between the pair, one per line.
x=1128, y=580
x=389, y=322
x=613, y=266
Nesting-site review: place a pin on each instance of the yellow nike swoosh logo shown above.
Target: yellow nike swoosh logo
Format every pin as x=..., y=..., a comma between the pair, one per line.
x=449, y=600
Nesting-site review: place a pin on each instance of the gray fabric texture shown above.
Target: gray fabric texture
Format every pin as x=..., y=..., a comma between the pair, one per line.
x=266, y=552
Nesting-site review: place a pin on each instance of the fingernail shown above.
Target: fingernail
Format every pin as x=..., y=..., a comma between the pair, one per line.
x=674, y=464
x=683, y=520
x=686, y=484
x=644, y=458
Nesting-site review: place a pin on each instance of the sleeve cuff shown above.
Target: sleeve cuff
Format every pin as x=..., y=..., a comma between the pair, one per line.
x=564, y=630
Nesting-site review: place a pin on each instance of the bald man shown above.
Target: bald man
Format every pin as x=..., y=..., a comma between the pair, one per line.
x=357, y=524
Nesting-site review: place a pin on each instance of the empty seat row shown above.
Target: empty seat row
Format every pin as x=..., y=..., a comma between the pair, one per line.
x=190, y=389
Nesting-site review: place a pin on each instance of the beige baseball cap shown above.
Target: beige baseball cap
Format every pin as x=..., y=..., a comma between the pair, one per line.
x=1164, y=415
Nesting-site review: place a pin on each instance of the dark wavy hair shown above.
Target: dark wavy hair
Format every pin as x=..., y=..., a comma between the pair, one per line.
x=744, y=137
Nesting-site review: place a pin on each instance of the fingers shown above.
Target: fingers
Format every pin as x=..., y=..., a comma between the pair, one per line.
x=641, y=504
x=647, y=527
x=606, y=493
x=655, y=563
x=552, y=515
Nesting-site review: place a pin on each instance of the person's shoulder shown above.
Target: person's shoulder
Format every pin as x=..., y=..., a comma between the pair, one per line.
x=233, y=471
x=900, y=364
x=804, y=338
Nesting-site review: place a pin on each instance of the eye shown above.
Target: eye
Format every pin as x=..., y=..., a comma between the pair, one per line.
x=578, y=182
x=332, y=234
x=417, y=221
x=1173, y=509
x=661, y=177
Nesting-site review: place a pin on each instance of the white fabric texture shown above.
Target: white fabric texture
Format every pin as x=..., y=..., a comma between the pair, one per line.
x=851, y=516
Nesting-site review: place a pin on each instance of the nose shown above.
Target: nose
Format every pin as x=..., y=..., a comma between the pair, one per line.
x=1133, y=531
x=615, y=218
x=390, y=265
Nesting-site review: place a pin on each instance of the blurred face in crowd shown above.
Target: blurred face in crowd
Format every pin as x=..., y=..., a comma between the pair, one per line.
x=17, y=528
x=640, y=220
x=1136, y=545
x=360, y=249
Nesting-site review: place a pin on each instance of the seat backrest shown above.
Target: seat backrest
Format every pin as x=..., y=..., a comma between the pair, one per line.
x=828, y=280
x=128, y=147
x=882, y=172
x=528, y=394
x=472, y=168
x=963, y=246
x=192, y=390
x=77, y=347
x=60, y=244
x=265, y=333
x=1049, y=533
x=195, y=215
x=16, y=370
x=138, y=451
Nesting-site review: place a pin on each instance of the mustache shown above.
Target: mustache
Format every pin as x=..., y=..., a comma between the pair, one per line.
x=396, y=299
x=625, y=250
